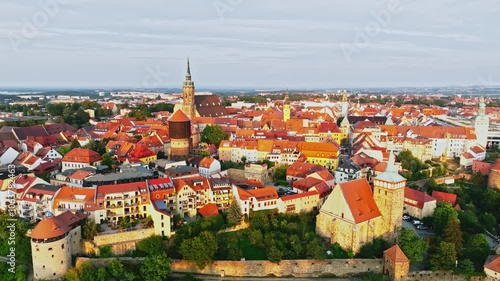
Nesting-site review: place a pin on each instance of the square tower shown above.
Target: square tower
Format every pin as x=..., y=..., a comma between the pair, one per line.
x=388, y=193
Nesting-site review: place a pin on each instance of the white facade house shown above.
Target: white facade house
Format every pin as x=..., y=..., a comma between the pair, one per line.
x=209, y=166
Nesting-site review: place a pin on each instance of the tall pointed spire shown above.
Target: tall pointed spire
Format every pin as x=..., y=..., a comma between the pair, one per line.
x=391, y=164
x=188, y=73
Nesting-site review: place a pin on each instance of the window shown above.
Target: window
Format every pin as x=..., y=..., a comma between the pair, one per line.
x=50, y=249
x=62, y=246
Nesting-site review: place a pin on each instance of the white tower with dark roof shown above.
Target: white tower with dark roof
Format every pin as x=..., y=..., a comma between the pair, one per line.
x=482, y=124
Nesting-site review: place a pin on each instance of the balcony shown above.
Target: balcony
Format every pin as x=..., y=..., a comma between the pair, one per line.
x=132, y=204
x=27, y=207
x=114, y=206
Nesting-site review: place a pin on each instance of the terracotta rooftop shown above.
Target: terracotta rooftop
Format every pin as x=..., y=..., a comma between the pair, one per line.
x=179, y=116
x=209, y=210
x=52, y=227
x=82, y=155
x=359, y=198
x=395, y=254
x=418, y=196
x=445, y=197
x=493, y=263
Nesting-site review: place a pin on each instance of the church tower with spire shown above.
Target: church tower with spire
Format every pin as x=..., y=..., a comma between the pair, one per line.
x=388, y=193
x=188, y=105
x=286, y=107
x=482, y=124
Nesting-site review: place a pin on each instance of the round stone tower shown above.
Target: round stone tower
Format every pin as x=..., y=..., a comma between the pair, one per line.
x=53, y=241
x=494, y=176
x=179, y=128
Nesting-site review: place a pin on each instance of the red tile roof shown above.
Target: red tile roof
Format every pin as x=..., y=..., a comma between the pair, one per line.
x=418, y=196
x=493, y=263
x=209, y=210
x=359, y=198
x=445, y=197
x=396, y=255
x=53, y=227
x=299, y=195
x=179, y=116
x=82, y=155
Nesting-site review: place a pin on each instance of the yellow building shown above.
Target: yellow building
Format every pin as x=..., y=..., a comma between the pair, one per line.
x=353, y=216
x=324, y=154
x=286, y=108
x=419, y=148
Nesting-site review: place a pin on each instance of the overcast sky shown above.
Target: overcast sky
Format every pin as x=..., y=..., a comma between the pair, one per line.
x=249, y=43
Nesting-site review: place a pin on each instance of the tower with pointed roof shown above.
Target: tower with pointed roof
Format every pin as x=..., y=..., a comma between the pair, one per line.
x=188, y=105
x=345, y=127
x=388, y=193
x=482, y=124
x=345, y=103
x=286, y=107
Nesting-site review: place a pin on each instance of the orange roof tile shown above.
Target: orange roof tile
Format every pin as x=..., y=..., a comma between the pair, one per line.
x=179, y=116
x=493, y=263
x=396, y=255
x=359, y=198
x=82, y=155
x=209, y=210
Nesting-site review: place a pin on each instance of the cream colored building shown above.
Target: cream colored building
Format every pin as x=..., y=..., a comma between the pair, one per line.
x=53, y=241
x=353, y=216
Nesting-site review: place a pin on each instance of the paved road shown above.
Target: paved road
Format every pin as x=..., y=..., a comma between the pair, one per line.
x=218, y=278
x=420, y=233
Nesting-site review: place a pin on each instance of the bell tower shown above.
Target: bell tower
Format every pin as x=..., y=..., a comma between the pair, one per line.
x=188, y=105
x=286, y=107
x=482, y=124
x=388, y=193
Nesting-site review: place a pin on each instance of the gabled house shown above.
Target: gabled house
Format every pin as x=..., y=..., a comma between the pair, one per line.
x=80, y=158
x=418, y=204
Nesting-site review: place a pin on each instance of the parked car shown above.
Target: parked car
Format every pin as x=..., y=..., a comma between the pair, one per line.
x=406, y=217
x=421, y=227
x=417, y=222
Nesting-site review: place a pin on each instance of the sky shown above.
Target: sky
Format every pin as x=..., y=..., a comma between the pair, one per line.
x=255, y=44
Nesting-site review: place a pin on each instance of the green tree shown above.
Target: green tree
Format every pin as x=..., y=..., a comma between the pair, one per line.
x=102, y=274
x=155, y=268
x=107, y=160
x=374, y=249
x=466, y=267
x=444, y=257
x=160, y=155
x=234, y=212
x=200, y=249
x=280, y=173
x=74, y=144
x=315, y=250
x=488, y=221
x=213, y=134
x=116, y=267
x=204, y=154
x=413, y=246
x=153, y=245
x=453, y=234
x=140, y=116
x=274, y=254
x=129, y=276
x=477, y=248
x=89, y=229
x=243, y=159
x=493, y=156
x=443, y=213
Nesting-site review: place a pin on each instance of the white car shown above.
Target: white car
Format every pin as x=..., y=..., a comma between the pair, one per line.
x=405, y=217
x=417, y=222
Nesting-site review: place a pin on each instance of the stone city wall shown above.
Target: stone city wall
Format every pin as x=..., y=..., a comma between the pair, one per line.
x=296, y=268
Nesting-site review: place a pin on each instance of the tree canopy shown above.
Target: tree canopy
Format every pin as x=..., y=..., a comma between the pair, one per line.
x=413, y=246
x=213, y=134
